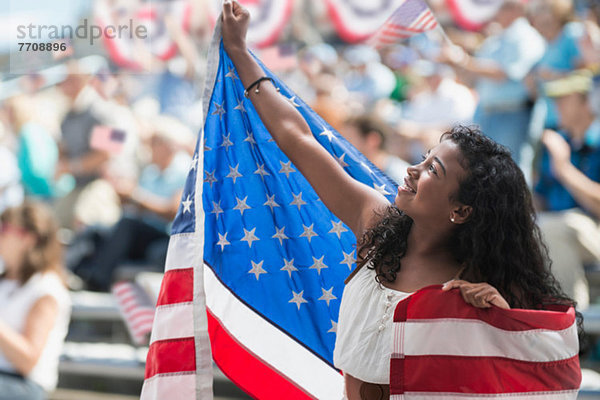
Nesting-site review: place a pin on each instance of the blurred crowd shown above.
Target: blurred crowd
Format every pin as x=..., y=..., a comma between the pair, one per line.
x=109, y=150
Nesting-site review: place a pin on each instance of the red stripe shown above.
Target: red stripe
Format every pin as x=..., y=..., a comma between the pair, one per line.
x=168, y=356
x=120, y=287
x=177, y=287
x=423, y=17
x=432, y=303
x=143, y=328
x=342, y=28
x=142, y=312
x=432, y=24
x=484, y=375
x=247, y=370
x=461, y=17
x=423, y=23
x=393, y=36
x=138, y=308
x=123, y=299
x=394, y=27
x=138, y=324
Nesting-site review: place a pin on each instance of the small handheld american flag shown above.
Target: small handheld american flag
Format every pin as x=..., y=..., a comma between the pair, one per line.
x=108, y=139
x=411, y=18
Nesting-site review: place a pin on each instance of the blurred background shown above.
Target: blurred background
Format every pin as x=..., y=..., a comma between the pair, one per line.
x=100, y=105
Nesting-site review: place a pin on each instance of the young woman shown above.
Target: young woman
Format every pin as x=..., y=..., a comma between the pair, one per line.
x=463, y=212
x=35, y=311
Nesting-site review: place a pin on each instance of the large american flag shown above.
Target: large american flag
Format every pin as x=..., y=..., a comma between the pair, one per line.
x=410, y=18
x=445, y=349
x=271, y=258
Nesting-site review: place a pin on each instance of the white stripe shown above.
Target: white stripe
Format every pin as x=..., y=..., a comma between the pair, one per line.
x=182, y=251
x=204, y=363
x=564, y=395
x=270, y=344
x=446, y=337
x=173, y=322
x=161, y=387
x=364, y=24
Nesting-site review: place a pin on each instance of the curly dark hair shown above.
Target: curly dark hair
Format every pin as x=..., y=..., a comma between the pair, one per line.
x=500, y=243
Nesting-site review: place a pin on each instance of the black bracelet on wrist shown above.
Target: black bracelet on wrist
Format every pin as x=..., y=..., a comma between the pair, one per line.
x=257, y=84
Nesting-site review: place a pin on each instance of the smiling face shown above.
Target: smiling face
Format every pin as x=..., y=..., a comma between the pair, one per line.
x=429, y=187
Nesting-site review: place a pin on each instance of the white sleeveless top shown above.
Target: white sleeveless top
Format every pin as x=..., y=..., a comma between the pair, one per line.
x=363, y=345
x=16, y=302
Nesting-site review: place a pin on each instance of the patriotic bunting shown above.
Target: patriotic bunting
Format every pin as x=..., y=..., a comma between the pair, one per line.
x=473, y=14
x=410, y=18
x=268, y=18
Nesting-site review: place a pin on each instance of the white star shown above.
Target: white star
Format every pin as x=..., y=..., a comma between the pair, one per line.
x=226, y=142
x=187, y=203
x=349, y=259
x=206, y=148
x=240, y=106
x=327, y=295
x=286, y=168
x=319, y=264
x=261, y=171
x=280, y=235
x=210, y=177
x=233, y=173
x=328, y=133
x=297, y=200
x=298, y=299
x=365, y=166
x=308, y=232
x=333, y=328
x=222, y=240
x=257, y=269
x=292, y=101
x=271, y=202
x=289, y=266
x=231, y=74
x=381, y=189
x=249, y=236
x=338, y=228
x=194, y=162
x=250, y=138
x=241, y=205
x=219, y=110
x=217, y=208
x=340, y=160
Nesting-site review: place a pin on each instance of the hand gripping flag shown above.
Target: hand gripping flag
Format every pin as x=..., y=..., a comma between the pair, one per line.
x=446, y=349
x=410, y=18
x=269, y=18
x=275, y=258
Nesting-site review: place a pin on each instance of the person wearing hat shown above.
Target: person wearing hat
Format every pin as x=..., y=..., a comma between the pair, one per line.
x=568, y=186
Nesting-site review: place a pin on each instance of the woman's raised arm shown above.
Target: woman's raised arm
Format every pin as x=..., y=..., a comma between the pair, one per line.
x=350, y=200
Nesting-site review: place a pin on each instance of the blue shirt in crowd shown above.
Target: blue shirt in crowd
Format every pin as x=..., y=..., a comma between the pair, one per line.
x=585, y=157
x=517, y=49
x=562, y=55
